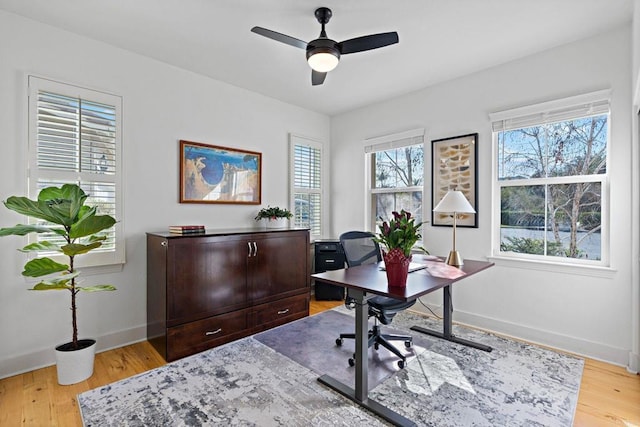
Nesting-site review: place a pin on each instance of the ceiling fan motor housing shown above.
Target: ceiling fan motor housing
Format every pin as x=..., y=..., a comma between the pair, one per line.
x=322, y=46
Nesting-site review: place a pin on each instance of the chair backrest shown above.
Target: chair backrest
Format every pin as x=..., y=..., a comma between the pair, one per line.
x=360, y=248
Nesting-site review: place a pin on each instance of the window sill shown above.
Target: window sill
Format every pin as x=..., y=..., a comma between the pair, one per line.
x=555, y=267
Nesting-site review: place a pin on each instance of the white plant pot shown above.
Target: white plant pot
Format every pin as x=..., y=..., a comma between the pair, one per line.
x=277, y=223
x=76, y=365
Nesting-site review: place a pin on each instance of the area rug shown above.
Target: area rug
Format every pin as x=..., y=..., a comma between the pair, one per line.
x=249, y=383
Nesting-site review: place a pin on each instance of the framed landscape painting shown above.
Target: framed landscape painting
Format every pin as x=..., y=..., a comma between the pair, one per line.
x=213, y=174
x=454, y=168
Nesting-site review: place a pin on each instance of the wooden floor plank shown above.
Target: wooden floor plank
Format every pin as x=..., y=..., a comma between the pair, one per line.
x=609, y=395
x=11, y=401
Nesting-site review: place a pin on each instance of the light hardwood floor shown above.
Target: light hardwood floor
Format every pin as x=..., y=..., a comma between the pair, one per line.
x=609, y=395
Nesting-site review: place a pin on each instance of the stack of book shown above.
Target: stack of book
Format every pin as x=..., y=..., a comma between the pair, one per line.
x=186, y=229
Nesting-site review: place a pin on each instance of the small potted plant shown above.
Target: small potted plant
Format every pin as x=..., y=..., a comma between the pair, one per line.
x=399, y=236
x=75, y=230
x=274, y=217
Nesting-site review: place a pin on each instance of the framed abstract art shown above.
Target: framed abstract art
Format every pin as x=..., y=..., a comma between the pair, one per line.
x=454, y=168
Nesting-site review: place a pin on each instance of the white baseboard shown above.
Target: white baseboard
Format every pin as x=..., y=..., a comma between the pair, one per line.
x=634, y=363
x=617, y=356
x=46, y=357
x=581, y=347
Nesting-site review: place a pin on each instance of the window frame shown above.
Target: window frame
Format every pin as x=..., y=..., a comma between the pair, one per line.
x=383, y=143
x=565, y=109
x=36, y=84
x=295, y=139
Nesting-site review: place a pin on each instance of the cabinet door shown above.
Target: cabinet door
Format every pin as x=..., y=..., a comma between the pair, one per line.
x=205, y=276
x=279, y=266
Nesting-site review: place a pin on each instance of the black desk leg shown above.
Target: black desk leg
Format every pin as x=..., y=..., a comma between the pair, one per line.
x=360, y=394
x=447, y=322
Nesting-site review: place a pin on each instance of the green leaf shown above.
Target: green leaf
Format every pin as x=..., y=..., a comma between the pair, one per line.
x=90, y=225
x=97, y=288
x=95, y=238
x=86, y=210
x=43, y=286
x=41, y=246
x=59, y=282
x=56, y=205
x=36, y=209
x=66, y=200
x=64, y=277
x=73, y=249
x=22, y=230
x=42, y=266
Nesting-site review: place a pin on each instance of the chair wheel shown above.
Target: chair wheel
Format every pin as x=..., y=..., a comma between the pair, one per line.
x=407, y=344
x=376, y=346
x=401, y=364
x=352, y=362
x=339, y=342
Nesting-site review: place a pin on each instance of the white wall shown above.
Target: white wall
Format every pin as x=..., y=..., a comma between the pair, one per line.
x=634, y=357
x=636, y=44
x=588, y=315
x=162, y=104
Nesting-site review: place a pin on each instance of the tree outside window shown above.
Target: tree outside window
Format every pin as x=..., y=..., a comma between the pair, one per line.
x=397, y=180
x=551, y=178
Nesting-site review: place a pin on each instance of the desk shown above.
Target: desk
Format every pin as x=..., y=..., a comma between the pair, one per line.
x=366, y=281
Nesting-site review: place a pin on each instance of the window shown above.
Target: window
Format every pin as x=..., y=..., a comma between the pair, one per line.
x=75, y=137
x=395, y=171
x=306, y=184
x=551, y=180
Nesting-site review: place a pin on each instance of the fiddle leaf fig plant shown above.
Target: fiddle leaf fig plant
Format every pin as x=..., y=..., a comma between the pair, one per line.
x=78, y=227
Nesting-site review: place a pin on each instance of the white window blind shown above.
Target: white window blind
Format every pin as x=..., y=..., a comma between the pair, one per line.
x=396, y=140
x=74, y=137
x=590, y=104
x=307, y=178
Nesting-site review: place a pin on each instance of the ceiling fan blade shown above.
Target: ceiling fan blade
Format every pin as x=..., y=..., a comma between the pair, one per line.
x=317, y=78
x=373, y=41
x=282, y=38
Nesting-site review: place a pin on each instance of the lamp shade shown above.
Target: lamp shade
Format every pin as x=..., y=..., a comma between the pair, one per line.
x=454, y=201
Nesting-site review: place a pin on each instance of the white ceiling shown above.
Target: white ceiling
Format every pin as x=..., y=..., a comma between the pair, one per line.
x=439, y=39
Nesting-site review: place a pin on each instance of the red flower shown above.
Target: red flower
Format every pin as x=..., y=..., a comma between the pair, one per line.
x=400, y=232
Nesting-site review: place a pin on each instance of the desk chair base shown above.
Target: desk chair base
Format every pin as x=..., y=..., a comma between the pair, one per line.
x=377, y=339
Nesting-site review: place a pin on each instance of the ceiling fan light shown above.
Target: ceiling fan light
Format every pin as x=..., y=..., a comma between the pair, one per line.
x=323, y=61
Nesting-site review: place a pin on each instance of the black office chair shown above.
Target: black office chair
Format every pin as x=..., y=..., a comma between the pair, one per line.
x=360, y=248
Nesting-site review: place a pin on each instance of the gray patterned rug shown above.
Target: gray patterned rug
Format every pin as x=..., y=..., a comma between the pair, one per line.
x=270, y=380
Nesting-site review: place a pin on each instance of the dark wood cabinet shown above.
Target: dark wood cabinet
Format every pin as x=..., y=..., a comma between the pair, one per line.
x=208, y=289
x=270, y=273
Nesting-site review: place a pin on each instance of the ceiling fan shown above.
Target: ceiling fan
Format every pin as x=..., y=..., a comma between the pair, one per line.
x=323, y=54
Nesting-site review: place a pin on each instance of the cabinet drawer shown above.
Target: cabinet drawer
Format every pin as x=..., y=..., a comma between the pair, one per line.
x=278, y=312
x=200, y=335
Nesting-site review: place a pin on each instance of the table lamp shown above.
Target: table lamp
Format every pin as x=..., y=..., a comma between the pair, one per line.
x=454, y=202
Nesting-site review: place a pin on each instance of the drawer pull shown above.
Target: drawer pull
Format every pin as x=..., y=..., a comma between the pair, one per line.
x=217, y=331
x=283, y=311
